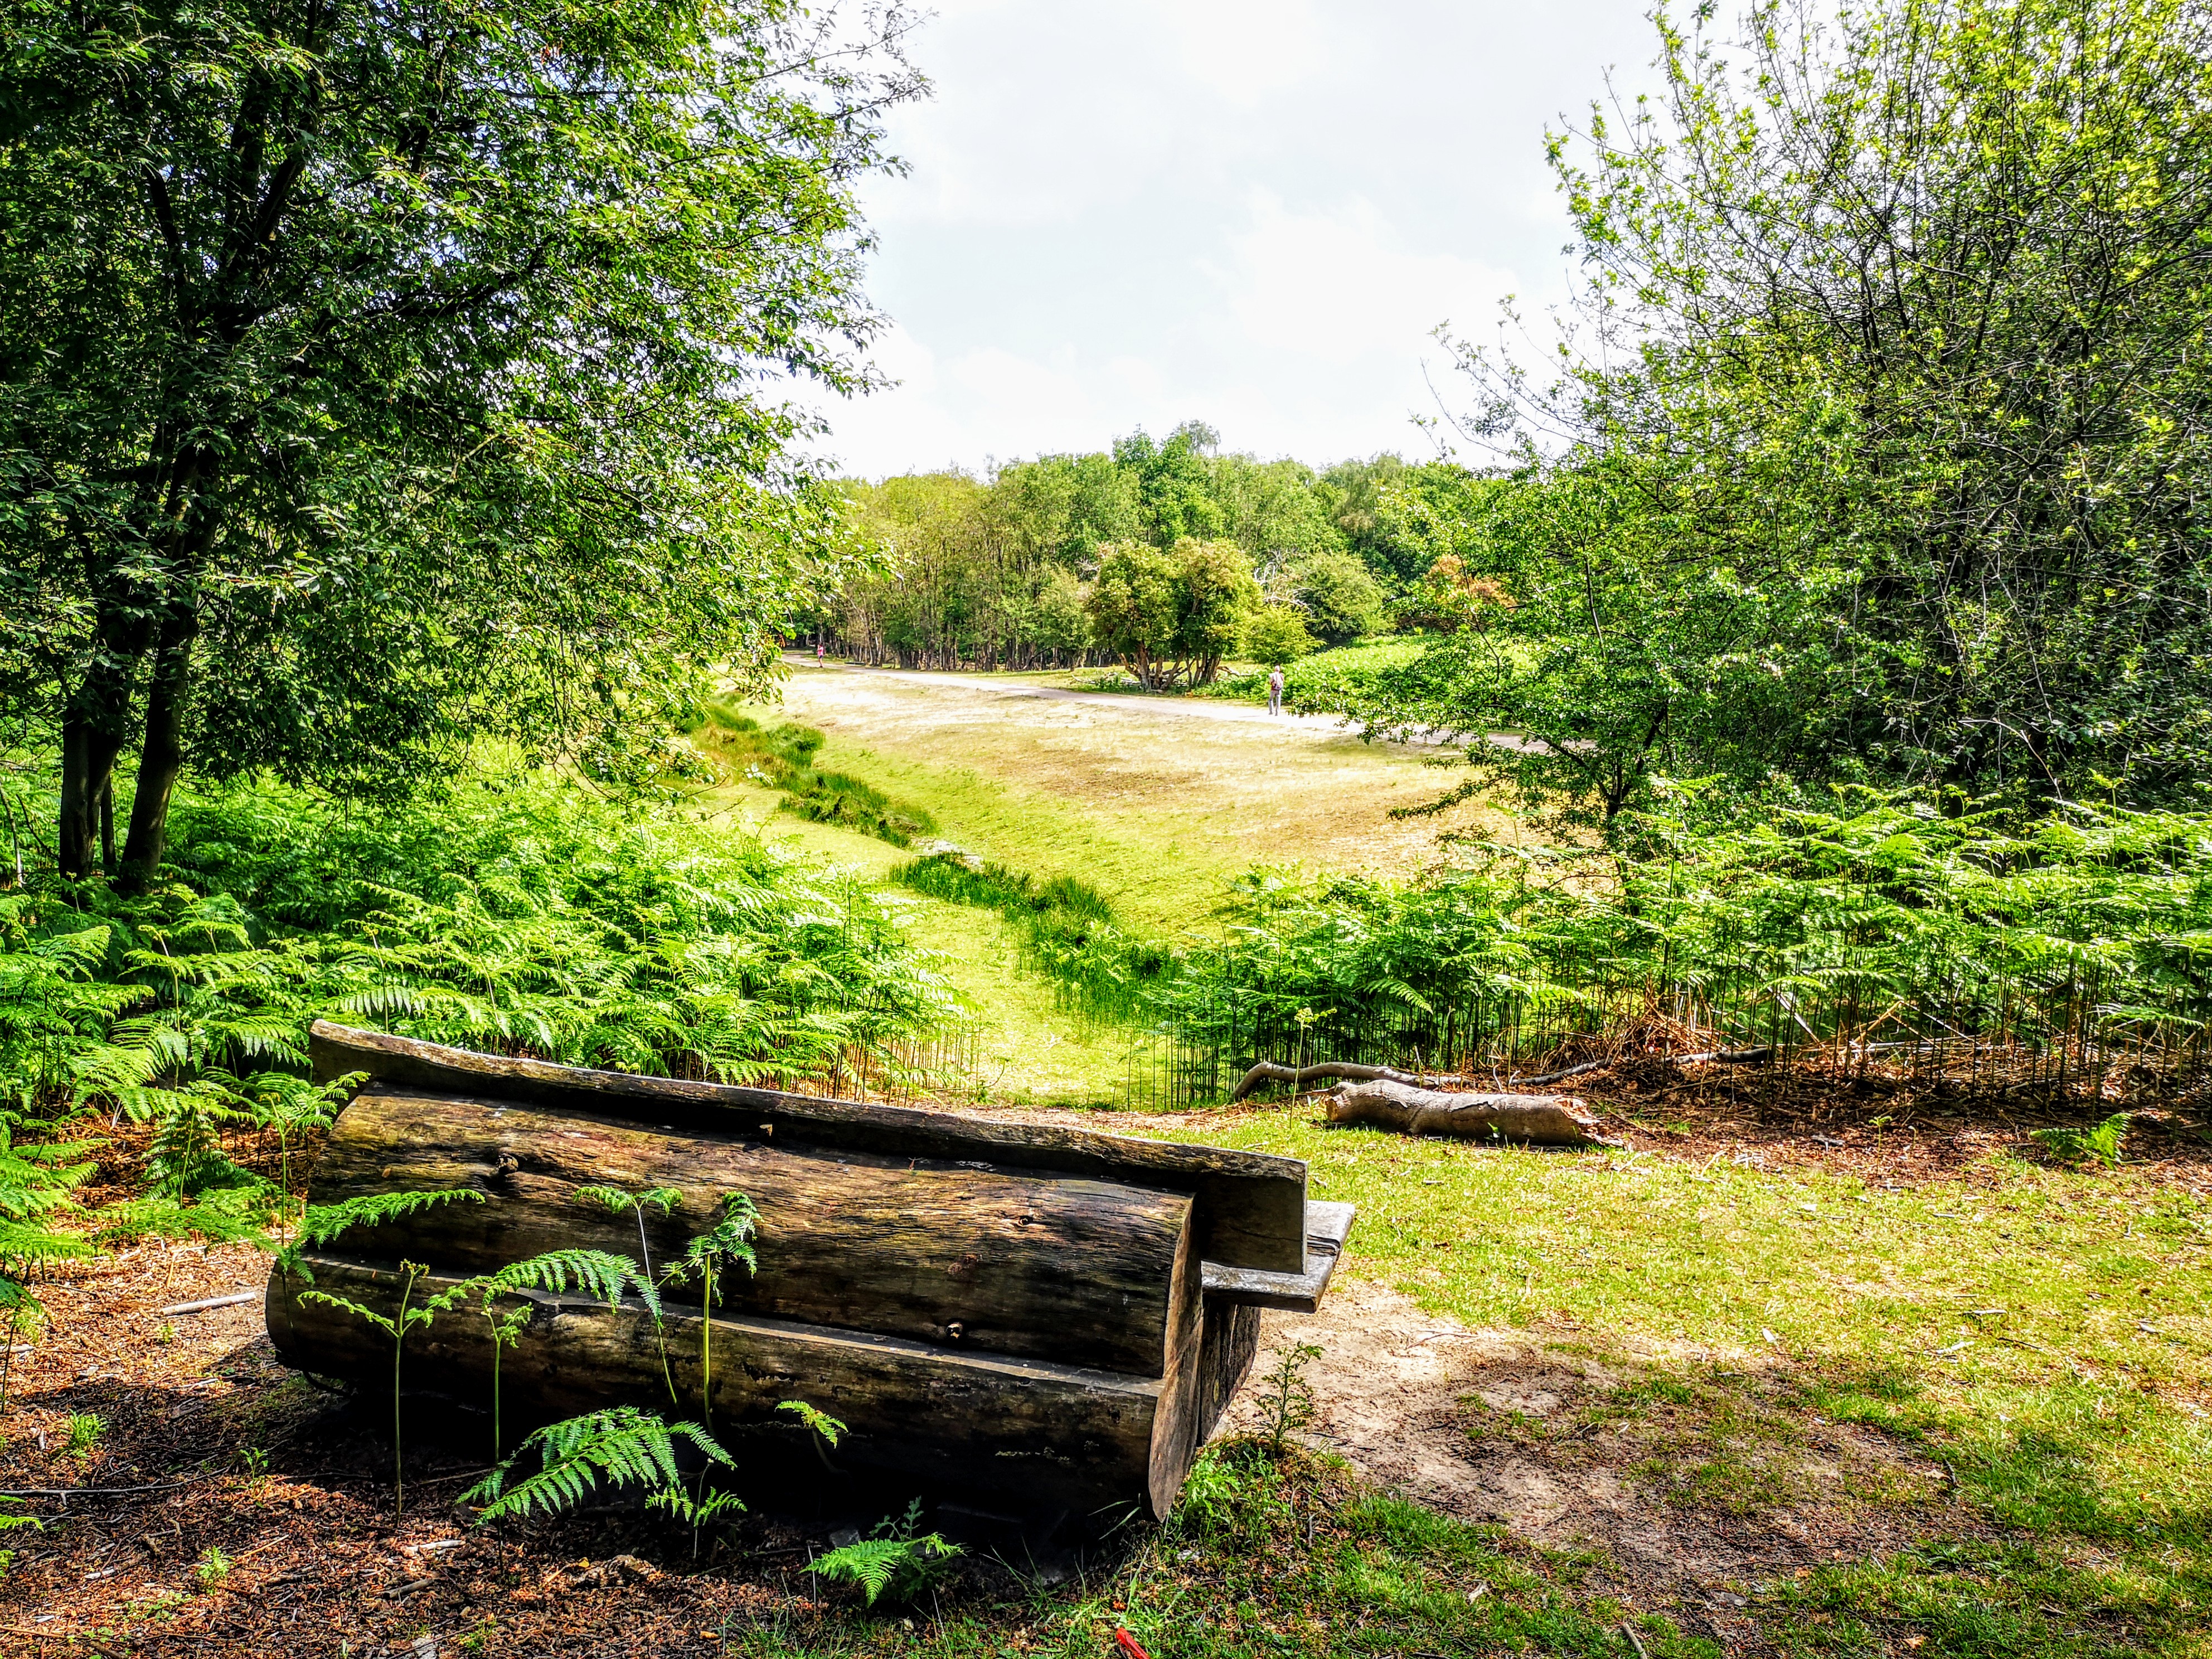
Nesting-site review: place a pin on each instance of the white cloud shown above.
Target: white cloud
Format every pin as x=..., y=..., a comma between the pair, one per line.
x=1133, y=212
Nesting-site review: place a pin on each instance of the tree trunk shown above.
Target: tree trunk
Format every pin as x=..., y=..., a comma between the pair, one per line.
x=92, y=737
x=108, y=825
x=162, y=756
x=1546, y=1120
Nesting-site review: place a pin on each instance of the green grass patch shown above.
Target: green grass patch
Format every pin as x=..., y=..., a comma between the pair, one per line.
x=782, y=759
x=2042, y=1333
x=1068, y=930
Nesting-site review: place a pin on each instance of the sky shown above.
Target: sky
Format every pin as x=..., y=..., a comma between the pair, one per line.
x=1125, y=213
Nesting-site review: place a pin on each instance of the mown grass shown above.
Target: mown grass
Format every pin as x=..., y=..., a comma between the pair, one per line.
x=1159, y=812
x=2044, y=1332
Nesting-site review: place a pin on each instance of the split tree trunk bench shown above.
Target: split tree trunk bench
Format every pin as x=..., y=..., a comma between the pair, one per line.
x=1055, y=1318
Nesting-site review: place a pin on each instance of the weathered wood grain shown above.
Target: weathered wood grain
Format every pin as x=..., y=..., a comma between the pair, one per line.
x=1328, y=1225
x=1081, y=1272
x=1250, y=1206
x=1048, y=1436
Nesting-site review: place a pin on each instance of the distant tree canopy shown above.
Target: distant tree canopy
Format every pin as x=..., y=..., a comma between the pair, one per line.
x=985, y=567
x=376, y=377
x=1882, y=443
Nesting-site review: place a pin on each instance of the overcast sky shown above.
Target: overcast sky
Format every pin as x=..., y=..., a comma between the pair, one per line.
x=1132, y=213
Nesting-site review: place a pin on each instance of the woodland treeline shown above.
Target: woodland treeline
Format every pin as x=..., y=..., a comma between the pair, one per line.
x=1165, y=555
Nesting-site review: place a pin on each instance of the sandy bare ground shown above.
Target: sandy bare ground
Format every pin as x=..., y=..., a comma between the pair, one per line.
x=1154, y=802
x=1510, y=1427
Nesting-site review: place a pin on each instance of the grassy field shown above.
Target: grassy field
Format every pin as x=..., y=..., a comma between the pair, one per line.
x=1157, y=810
x=1956, y=1404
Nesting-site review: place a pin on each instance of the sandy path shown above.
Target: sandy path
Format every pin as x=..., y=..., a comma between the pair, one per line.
x=1200, y=708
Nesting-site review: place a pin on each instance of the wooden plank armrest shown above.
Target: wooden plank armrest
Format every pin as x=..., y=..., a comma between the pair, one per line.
x=1328, y=1225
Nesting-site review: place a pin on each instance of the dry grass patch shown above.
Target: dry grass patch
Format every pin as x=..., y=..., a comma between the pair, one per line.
x=1155, y=807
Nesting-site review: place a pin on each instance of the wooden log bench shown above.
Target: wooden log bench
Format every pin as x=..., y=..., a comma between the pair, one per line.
x=1053, y=1318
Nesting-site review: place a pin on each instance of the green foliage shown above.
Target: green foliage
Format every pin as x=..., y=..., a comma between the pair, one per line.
x=620, y=1446
x=2101, y=1141
x=2069, y=948
x=603, y=1274
x=819, y=1422
x=1172, y=616
x=85, y=1429
x=1067, y=926
x=992, y=573
x=515, y=914
x=369, y=387
x=1277, y=633
x=895, y=1560
x=321, y=1222
x=35, y=1185
x=1937, y=523
x=402, y=1319
x=1287, y=1399
x=1339, y=597
x=212, y=1567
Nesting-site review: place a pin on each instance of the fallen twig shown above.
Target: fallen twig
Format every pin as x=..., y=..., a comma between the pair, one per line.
x=214, y=1301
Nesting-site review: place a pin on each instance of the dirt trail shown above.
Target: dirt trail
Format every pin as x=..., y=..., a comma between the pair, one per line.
x=1504, y=1426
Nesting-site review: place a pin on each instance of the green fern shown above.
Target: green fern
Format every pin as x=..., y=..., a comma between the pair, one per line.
x=396, y=1325
x=2102, y=1141
x=895, y=1560
x=617, y=1200
x=621, y=1446
x=36, y=1184
x=323, y=1222
x=601, y=1272
x=820, y=1421
x=729, y=1240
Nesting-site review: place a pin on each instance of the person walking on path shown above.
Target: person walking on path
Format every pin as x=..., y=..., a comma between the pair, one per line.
x=1275, y=690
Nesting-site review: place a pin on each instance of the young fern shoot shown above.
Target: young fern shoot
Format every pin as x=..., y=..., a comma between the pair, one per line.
x=618, y=1201
x=601, y=1272
x=730, y=1240
x=396, y=1325
x=324, y=1222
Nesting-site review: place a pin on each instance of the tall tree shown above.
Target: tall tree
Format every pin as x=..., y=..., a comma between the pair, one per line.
x=375, y=376
x=1915, y=293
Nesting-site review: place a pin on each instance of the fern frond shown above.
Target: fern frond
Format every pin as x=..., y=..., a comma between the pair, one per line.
x=820, y=1421
x=601, y=1273
x=325, y=1222
x=622, y=1446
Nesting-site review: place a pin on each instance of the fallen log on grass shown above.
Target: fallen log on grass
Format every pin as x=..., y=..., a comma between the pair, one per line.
x=1269, y=1071
x=1543, y=1120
